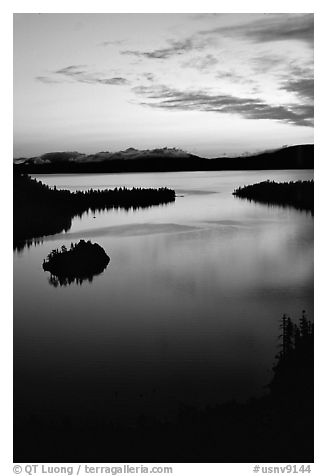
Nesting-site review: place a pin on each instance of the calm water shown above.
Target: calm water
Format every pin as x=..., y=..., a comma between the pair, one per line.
x=187, y=310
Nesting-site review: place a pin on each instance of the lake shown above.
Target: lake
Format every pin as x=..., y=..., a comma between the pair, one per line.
x=187, y=310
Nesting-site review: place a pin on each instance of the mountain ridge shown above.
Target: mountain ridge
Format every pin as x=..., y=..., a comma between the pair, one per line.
x=165, y=159
x=127, y=154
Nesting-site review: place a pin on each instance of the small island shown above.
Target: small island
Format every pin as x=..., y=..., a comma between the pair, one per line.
x=82, y=261
x=298, y=194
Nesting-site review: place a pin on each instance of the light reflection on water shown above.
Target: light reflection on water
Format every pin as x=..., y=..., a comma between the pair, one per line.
x=186, y=311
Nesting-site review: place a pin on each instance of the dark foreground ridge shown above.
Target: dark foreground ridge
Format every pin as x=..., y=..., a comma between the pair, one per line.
x=164, y=160
x=277, y=427
x=298, y=194
x=40, y=210
x=82, y=261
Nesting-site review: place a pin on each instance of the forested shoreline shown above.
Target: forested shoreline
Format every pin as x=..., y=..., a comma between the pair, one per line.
x=40, y=210
x=299, y=194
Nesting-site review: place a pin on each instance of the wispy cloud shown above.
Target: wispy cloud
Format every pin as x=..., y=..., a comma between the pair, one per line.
x=79, y=73
x=46, y=80
x=234, y=77
x=73, y=70
x=205, y=16
x=284, y=28
x=267, y=28
x=250, y=108
x=174, y=48
x=112, y=43
x=267, y=62
x=270, y=28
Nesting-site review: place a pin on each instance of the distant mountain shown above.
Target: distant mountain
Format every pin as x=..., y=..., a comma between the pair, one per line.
x=128, y=154
x=164, y=160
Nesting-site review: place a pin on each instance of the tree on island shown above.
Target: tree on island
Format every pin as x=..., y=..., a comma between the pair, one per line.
x=82, y=261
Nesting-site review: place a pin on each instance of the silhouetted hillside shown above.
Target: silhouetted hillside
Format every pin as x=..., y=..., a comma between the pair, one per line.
x=161, y=160
x=40, y=210
x=277, y=427
x=298, y=194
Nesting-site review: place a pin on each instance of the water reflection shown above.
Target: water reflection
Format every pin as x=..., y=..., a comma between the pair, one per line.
x=68, y=280
x=19, y=245
x=40, y=210
x=187, y=314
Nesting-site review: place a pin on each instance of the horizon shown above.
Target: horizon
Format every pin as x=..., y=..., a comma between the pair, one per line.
x=210, y=84
x=244, y=154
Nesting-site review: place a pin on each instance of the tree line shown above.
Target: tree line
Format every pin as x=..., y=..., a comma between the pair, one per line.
x=40, y=210
x=299, y=194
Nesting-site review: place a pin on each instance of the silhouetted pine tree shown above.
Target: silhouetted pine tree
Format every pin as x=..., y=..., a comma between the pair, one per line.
x=293, y=370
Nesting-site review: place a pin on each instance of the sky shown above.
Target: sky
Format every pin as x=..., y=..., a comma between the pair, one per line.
x=210, y=84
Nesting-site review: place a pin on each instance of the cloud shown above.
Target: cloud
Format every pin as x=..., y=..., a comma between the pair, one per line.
x=174, y=48
x=112, y=81
x=46, y=80
x=303, y=88
x=201, y=62
x=250, y=108
x=72, y=70
x=233, y=77
x=271, y=27
x=80, y=74
x=149, y=76
x=112, y=43
x=205, y=16
x=287, y=27
x=265, y=63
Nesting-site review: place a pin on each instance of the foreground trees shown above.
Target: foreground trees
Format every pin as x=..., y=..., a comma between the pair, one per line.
x=276, y=427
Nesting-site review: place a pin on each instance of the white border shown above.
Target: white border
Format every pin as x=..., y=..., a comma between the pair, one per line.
x=101, y=6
